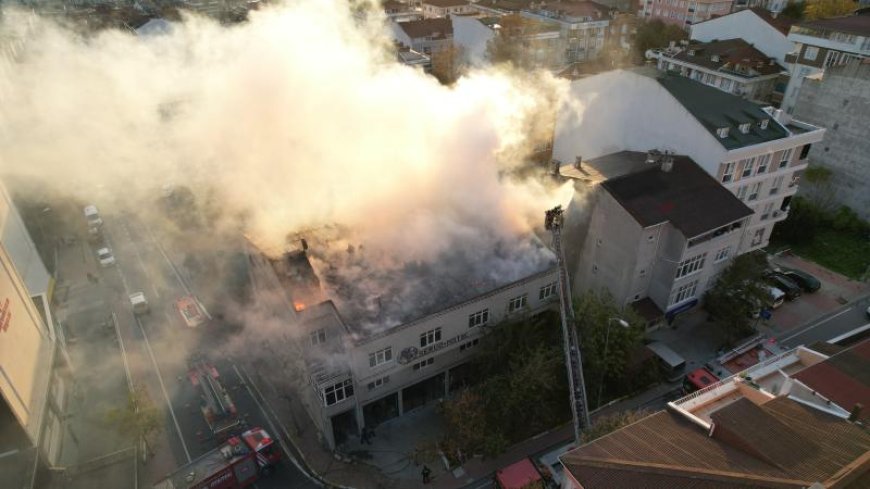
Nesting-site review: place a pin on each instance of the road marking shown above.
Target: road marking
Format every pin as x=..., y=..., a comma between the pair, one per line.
x=168, y=261
x=141, y=262
x=123, y=352
x=163, y=388
x=268, y=419
x=781, y=340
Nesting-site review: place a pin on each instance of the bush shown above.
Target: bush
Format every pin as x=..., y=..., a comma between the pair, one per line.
x=804, y=219
x=847, y=221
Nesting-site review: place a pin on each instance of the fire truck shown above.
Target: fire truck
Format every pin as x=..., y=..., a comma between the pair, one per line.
x=217, y=407
x=191, y=311
x=236, y=464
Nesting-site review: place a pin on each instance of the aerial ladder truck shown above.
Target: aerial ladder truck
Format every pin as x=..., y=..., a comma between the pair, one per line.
x=579, y=408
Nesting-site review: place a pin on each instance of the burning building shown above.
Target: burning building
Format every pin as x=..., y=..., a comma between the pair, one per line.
x=375, y=341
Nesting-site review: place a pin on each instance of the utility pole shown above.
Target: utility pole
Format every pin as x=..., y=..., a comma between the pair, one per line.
x=576, y=384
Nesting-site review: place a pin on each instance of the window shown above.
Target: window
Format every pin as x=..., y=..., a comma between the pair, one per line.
x=338, y=392
x=547, y=291
x=517, y=303
x=741, y=192
x=805, y=151
x=744, y=128
x=728, y=173
x=318, y=337
x=748, y=165
x=777, y=184
x=726, y=84
x=379, y=382
x=479, y=318
x=722, y=254
x=763, y=161
x=722, y=132
x=381, y=357
x=424, y=363
x=758, y=237
x=768, y=209
x=756, y=188
x=690, y=266
x=685, y=292
x=469, y=344
x=785, y=157
x=430, y=337
x=810, y=53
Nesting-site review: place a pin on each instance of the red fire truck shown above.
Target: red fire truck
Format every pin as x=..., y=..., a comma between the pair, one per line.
x=217, y=407
x=698, y=379
x=236, y=464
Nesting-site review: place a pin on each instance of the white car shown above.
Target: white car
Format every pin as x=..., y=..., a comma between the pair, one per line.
x=139, y=303
x=106, y=257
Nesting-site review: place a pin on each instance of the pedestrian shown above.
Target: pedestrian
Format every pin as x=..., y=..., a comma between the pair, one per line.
x=427, y=473
x=364, y=437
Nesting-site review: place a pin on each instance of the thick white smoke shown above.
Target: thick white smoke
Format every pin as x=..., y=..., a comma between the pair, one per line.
x=298, y=118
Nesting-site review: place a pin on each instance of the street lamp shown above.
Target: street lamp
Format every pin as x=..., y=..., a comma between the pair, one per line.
x=624, y=324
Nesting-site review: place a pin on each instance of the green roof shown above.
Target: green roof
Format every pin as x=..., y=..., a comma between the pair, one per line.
x=716, y=109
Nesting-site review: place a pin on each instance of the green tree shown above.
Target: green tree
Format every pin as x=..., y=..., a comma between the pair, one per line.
x=138, y=419
x=607, y=345
x=822, y=9
x=655, y=34
x=794, y=11
x=738, y=294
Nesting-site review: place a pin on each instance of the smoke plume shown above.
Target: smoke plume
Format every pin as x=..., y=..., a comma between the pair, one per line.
x=298, y=119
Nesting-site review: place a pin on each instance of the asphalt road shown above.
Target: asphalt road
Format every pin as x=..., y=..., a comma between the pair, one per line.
x=169, y=345
x=838, y=322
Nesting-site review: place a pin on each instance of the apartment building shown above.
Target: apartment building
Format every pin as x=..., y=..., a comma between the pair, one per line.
x=756, y=153
x=359, y=373
x=536, y=43
x=755, y=26
x=821, y=44
x=583, y=25
x=683, y=13
x=661, y=230
x=731, y=65
x=838, y=100
x=769, y=426
x=444, y=8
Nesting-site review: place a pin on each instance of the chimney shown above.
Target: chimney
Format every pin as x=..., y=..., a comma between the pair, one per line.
x=304, y=245
x=652, y=156
x=578, y=163
x=667, y=163
x=855, y=413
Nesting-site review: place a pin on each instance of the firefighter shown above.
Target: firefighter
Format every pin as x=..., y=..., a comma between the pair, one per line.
x=427, y=475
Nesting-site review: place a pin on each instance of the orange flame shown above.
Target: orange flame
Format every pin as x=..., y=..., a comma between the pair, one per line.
x=298, y=306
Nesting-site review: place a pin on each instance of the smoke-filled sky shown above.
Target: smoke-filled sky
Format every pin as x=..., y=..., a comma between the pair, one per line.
x=298, y=118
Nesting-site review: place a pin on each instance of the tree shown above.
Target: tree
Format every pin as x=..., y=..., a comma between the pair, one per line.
x=610, y=423
x=739, y=293
x=821, y=9
x=606, y=345
x=656, y=34
x=138, y=419
x=794, y=11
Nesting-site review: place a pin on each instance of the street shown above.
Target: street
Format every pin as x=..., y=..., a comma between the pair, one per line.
x=838, y=322
x=158, y=346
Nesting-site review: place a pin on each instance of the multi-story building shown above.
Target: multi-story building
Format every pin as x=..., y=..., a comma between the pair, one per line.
x=35, y=379
x=443, y=8
x=425, y=36
x=774, y=425
x=361, y=370
x=755, y=26
x=756, y=153
x=401, y=11
x=537, y=43
x=661, y=229
x=823, y=43
x=583, y=25
x=731, y=65
x=683, y=13
x=839, y=100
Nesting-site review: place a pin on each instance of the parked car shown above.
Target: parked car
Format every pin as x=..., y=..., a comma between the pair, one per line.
x=785, y=284
x=92, y=215
x=806, y=281
x=105, y=256
x=139, y=303
x=776, y=297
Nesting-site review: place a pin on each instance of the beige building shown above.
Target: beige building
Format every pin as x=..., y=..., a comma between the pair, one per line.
x=443, y=8
x=357, y=374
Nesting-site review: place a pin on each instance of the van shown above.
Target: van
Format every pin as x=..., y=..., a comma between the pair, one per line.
x=777, y=297
x=139, y=303
x=92, y=215
x=673, y=365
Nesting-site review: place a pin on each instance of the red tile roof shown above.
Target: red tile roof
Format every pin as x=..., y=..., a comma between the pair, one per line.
x=435, y=28
x=843, y=378
x=446, y=3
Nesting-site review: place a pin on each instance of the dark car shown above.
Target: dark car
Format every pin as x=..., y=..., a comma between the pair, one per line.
x=806, y=281
x=785, y=284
